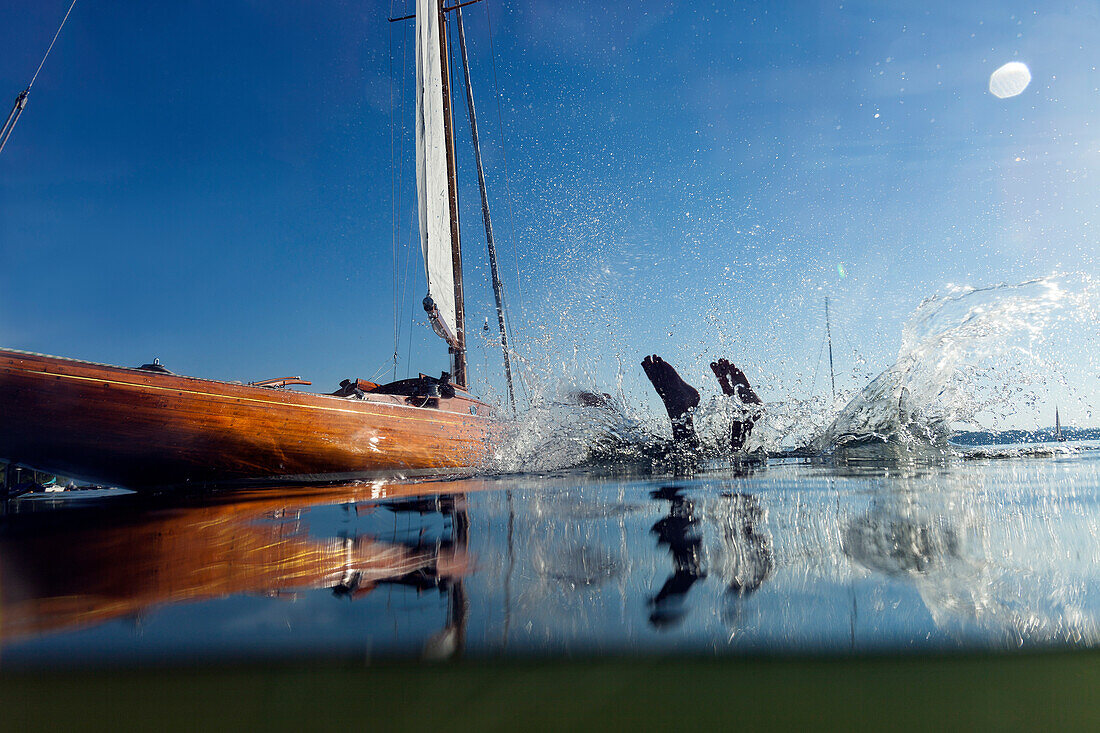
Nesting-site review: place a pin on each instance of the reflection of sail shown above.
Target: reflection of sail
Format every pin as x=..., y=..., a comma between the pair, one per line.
x=76, y=567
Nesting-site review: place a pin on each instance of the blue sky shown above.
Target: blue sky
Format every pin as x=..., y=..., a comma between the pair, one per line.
x=214, y=183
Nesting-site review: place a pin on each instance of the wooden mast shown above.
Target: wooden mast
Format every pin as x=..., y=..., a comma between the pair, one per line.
x=21, y=98
x=458, y=350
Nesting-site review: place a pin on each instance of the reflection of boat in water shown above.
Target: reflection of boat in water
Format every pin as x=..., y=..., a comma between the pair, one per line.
x=74, y=567
x=147, y=427
x=794, y=558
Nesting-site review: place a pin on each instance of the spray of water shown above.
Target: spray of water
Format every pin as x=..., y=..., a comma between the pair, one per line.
x=978, y=357
x=970, y=358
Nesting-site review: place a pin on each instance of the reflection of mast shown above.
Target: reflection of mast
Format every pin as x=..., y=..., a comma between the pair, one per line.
x=511, y=568
x=451, y=640
x=460, y=607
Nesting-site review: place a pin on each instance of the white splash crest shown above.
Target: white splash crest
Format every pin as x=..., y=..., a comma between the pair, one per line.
x=973, y=356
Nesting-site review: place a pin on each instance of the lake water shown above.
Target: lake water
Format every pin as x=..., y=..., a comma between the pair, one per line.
x=790, y=557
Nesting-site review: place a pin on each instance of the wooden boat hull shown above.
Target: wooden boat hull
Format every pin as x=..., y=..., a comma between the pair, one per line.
x=140, y=429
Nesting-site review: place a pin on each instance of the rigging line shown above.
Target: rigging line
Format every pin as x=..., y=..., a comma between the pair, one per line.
x=849, y=342
x=840, y=333
x=513, y=348
x=55, y=35
x=393, y=206
x=489, y=241
x=400, y=205
x=817, y=366
x=407, y=288
x=507, y=184
x=403, y=289
x=409, y=349
x=378, y=372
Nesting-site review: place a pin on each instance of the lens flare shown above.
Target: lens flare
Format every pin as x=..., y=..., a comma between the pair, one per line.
x=1009, y=80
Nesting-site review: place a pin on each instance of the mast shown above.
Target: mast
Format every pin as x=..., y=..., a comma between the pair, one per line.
x=21, y=98
x=497, y=288
x=16, y=111
x=458, y=350
x=829, y=334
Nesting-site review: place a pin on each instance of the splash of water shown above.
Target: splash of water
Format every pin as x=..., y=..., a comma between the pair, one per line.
x=974, y=357
x=558, y=432
x=985, y=358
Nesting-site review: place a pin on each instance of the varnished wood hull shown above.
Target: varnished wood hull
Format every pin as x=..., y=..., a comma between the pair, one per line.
x=140, y=429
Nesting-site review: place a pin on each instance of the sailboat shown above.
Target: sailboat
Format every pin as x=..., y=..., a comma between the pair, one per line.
x=1058, y=427
x=146, y=427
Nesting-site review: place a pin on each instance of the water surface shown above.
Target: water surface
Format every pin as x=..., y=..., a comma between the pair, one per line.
x=784, y=558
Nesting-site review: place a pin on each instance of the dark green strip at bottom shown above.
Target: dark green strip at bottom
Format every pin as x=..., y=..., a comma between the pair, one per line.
x=1041, y=691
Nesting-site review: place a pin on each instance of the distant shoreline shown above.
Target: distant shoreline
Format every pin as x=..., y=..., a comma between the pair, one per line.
x=1008, y=437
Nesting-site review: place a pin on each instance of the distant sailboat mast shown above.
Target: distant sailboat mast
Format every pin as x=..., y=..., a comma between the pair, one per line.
x=829, y=335
x=1058, y=427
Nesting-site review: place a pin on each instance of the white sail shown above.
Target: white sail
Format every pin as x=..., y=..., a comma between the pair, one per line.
x=431, y=172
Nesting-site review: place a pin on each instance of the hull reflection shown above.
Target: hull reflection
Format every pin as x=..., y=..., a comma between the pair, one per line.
x=787, y=558
x=78, y=566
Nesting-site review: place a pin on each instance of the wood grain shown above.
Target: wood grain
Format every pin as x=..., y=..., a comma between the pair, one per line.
x=139, y=429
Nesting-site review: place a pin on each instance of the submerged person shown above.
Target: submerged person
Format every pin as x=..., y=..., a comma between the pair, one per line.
x=681, y=399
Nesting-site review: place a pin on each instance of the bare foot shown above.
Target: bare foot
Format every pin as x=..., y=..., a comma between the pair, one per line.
x=680, y=398
x=735, y=384
x=720, y=369
x=733, y=381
